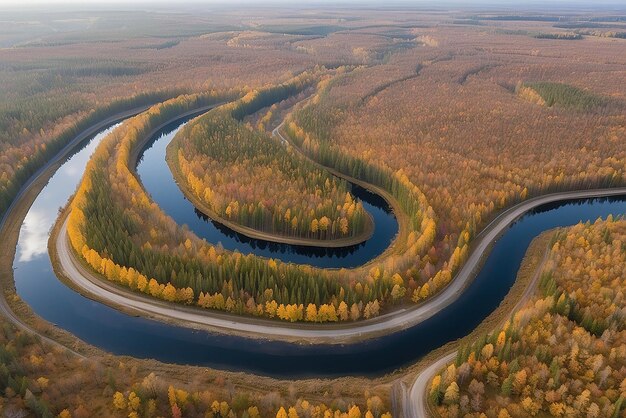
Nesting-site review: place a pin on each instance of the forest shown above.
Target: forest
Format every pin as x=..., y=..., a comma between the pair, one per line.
x=561, y=95
x=311, y=129
x=82, y=73
x=171, y=263
x=178, y=267
x=452, y=117
x=244, y=176
x=431, y=247
x=509, y=158
x=563, y=353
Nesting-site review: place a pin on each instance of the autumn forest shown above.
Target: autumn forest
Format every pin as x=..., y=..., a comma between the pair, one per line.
x=313, y=211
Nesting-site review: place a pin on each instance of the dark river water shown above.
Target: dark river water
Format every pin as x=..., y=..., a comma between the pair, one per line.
x=119, y=333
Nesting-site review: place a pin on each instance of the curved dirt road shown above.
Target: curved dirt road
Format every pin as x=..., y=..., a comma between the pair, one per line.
x=415, y=401
x=92, y=285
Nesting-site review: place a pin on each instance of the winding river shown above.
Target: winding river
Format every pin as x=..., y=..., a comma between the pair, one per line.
x=160, y=184
x=119, y=333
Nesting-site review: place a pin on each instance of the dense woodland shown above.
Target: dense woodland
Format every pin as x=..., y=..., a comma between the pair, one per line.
x=58, y=76
x=564, y=353
x=400, y=152
x=311, y=127
x=54, y=81
x=179, y=267
x=456, y=121
x=472, y=146
x=46, y=382
x=251, y=179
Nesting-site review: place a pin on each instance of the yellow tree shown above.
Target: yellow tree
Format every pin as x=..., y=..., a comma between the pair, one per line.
x=314, y=226
x=169, y=293
x=119, y=401
x=343, y=225
x=311, y=312
x=343, y=311
x=354, y=412
x=451, y=395
x=134, y=402
x=324, y=222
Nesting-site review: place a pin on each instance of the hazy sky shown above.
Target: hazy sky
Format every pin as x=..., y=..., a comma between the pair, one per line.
x=589, y=5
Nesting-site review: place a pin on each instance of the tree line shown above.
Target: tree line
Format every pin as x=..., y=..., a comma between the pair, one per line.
x=563, y=95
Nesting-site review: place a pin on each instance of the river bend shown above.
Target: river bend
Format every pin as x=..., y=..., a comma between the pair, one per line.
x=119, y=333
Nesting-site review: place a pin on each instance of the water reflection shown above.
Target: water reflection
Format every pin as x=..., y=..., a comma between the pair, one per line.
x=34, y=235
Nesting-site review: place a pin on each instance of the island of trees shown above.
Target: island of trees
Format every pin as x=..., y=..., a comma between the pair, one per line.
x=561, y=95
x=258, y=186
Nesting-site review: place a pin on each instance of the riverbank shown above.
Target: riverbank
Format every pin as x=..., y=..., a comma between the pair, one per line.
x=416, y=404
x=77, y=275
x=80, y=277
x=11, y=306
